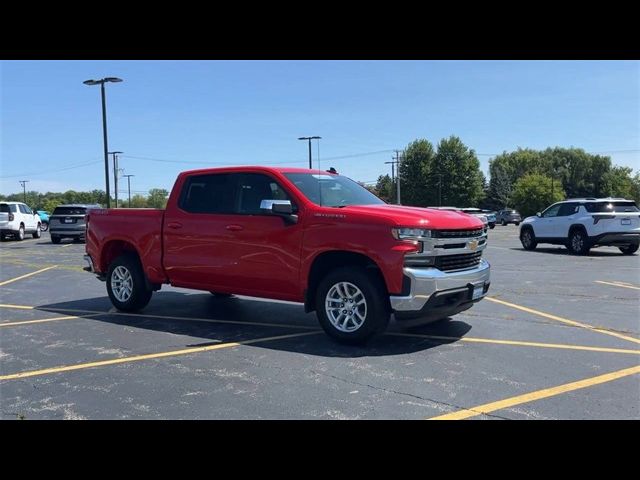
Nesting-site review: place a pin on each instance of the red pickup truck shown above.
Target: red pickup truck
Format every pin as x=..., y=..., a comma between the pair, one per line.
x=293, y=234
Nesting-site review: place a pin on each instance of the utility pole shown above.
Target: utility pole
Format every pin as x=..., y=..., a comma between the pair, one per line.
x=115, y=173
x=398, y=160
x=24, y=189
x=129, y=187
x=393, y=175
x=310, y=138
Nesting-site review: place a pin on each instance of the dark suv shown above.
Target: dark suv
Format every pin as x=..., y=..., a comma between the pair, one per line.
x=508, y=216
x=68, y=221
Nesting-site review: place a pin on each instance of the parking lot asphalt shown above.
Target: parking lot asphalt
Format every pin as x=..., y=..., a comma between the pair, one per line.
x=558, y=337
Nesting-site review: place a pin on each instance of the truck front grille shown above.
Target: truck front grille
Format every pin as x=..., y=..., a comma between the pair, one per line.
x=458, y=262
x=477, y=232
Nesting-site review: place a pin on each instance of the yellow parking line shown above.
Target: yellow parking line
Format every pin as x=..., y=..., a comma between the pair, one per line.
x=27, y=275
x=617, y=284
x=562, y=346
x=537, y=395
x=565, y=320
x=44, y=320
x=164, y=317
x=138, y=358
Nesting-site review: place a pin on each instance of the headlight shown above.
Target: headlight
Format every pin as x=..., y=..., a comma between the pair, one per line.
x=410, y=233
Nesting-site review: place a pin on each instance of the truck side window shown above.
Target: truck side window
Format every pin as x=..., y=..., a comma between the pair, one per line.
x=209, y=194
x=255, y=187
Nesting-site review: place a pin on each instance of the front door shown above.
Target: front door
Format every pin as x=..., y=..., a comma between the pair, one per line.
x=545, y=226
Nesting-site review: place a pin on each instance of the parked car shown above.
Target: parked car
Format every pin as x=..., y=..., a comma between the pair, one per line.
x=476, y=212
x=294, y=234
x=68, y=221
x=491, y=218
x=508, y=216
x=44, y=219
x=583, y=223
x=17, y=219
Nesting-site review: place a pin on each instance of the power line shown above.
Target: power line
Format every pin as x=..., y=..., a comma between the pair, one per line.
x=40, y=172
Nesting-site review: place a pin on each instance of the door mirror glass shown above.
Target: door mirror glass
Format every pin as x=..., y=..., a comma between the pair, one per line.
x=538, y=214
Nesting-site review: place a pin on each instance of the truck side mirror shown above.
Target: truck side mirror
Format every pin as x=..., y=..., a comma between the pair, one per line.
x=277, y=207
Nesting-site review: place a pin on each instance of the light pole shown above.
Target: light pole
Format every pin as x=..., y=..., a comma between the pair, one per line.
x=309, y=138
x=24, y=189
x=129, y=187
x=393, y=175
x=101, y=82
x=115, y=173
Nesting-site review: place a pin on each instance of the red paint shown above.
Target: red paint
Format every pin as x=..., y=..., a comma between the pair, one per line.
x=258, y=255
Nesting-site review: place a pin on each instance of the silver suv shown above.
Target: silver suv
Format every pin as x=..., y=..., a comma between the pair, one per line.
x=68, y=221
x=507, y=216
x=583, y=223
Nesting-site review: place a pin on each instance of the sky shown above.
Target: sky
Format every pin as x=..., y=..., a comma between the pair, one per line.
x=170, y=116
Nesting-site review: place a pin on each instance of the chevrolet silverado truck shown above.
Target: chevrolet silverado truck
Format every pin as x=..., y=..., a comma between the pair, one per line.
x=306, y=236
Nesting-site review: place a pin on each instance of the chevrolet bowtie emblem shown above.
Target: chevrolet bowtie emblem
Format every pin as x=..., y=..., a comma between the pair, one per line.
x=473, y=244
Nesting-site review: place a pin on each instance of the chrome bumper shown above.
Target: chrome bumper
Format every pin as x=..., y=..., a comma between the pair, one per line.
x=425, y=282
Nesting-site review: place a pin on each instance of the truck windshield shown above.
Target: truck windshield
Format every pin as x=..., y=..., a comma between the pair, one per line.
x=332, y=190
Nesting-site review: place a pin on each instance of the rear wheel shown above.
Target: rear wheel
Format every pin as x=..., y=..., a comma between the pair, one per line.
x=504, y=224
x=528, y=239
x=126, y=284
x=578, y=242
x=55, y=239
x=350, y=305
x=517, y=223
x=44, y=226
x=21, y=233
x=2, y=237
x=629, y=249
x=37, y=233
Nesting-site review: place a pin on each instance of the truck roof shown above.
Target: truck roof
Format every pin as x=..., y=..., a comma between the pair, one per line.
x=244, y=168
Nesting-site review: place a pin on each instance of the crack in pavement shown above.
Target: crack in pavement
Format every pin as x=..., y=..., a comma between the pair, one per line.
x=387, y=390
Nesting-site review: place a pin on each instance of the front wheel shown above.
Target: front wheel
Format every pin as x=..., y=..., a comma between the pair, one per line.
x=629, y=249
x=517, y=223
x=578, y=242
x=21, y=233
x=126, y=285
x=528, y=239
x=350, y=305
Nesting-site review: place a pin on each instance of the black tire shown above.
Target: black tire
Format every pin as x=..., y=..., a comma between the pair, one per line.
x=517, y=223
x=139, y=295
x=37, y=233
x=78, y=239
x=2, y=237
x=629, y=249
x=578, y=242
x=44, y=226
x=221, y=295
x=492, y=227
x=504, y=224
x=528, y=239
x=376, y=311
x=55, y=239
x=20, y=235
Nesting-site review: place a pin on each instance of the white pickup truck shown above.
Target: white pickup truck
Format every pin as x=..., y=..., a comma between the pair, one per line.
x=17, y=219
x=583, y=223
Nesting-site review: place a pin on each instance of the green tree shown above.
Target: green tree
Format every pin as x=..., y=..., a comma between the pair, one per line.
x=138, y=201
x=385, y=189
x=157, y=198
x=415, y=162
x=458, y=168
x=533, y=193
x=618, y=182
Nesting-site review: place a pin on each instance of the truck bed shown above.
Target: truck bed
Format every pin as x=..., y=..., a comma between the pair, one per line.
x=109, y=229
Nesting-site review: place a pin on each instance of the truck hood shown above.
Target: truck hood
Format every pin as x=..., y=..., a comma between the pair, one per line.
x=402, y=216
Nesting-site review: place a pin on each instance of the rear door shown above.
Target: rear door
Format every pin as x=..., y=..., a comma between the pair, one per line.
x=565, y=218
x=28, y=218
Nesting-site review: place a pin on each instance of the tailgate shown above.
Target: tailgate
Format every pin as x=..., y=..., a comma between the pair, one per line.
x=617, y=222
x=4, y=219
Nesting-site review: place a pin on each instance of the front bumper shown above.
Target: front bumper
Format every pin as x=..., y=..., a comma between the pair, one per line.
x=434, y=294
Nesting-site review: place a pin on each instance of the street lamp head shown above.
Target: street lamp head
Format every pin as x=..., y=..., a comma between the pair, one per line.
x=114, y=153
x=315, y=138
x=112, y=79
x=92, y=82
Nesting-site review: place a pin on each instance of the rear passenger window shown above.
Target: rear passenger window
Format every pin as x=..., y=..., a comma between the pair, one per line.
x=567, y=209
x=209, y=194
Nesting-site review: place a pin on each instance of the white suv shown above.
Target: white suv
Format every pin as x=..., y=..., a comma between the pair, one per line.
x=583, y=223
x=17, y=219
